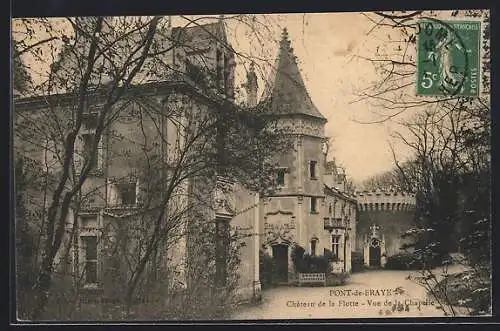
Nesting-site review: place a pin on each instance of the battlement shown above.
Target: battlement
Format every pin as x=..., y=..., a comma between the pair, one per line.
x=385, y=200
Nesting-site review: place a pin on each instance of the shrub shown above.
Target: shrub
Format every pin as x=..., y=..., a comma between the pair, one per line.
x=357, y=261
x=267, y=270
x=305, y=263
x=336, y=279
x=413, y=261
x=330, y=256
x=318, y=264
x=403, y=261
x=468, y=289
x=299, y=259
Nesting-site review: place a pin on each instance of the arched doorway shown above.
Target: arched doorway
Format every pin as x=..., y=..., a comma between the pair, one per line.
x=375, y=252
x=280, y=257
x=374, y=248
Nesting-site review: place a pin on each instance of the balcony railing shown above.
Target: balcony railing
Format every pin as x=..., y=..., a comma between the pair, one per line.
x=336, y=223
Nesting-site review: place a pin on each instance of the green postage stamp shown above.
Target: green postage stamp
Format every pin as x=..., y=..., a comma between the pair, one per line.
x=448, y=58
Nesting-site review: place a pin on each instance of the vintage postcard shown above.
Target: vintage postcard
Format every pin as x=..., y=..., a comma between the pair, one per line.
x=252, y=167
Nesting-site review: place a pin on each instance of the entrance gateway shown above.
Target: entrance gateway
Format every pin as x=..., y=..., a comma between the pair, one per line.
x=374, y=248
x=280, y=257
x=374, y=252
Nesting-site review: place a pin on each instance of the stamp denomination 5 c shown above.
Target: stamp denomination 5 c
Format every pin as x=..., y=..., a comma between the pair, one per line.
x=448, y=58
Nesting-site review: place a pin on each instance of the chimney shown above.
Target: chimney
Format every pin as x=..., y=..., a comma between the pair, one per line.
x=330, y=174
x=251, y=86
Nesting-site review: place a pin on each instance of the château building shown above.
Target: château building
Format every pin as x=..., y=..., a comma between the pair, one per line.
x=111, y=213
x=309, y=209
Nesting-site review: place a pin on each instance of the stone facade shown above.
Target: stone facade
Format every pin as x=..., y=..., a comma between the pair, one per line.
x=115, y=189
x=307, y=209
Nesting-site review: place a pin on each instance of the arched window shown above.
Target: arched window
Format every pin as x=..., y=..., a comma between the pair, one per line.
x=314, y=241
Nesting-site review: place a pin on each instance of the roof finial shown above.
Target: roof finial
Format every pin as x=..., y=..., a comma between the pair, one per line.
x=285, y=42
x=284, y=34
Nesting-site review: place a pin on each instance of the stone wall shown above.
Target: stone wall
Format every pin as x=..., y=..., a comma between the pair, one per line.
x=392, y=225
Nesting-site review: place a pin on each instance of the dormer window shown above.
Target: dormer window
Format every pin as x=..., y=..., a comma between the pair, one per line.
x=312, y=169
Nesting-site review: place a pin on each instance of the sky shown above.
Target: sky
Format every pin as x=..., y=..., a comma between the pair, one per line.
x=327, y=46
x=330, y=48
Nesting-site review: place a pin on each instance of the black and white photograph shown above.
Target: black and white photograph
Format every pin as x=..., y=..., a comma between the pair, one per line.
x=251, y=167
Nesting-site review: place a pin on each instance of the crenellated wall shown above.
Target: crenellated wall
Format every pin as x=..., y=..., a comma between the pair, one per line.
x=391, y=211
x=388, y=200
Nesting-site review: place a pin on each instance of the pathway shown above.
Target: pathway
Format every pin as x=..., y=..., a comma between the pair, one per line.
x=370, y=294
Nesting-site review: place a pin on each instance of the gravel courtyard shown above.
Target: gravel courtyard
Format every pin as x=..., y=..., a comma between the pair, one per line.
x=370, y=294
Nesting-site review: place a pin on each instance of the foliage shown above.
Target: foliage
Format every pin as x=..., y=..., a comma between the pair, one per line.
x=20, y=77
x=336, y=279
x=305, y=263
x=330, y=257
x=412, y=261
x=466, y=289
x=450, y=163
x=267, y=270
x=109, y=65
x=357, y=261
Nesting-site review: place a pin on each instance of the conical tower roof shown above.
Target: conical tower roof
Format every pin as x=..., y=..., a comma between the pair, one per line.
x=286, y=92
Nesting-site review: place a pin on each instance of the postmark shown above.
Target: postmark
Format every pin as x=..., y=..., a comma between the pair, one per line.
x=448, y=57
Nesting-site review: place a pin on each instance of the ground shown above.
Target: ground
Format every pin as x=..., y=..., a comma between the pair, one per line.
x=369, y=294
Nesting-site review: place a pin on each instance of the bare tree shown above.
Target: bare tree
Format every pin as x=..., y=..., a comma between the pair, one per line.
x=98, y=80
x=395, y=62
x=449, y=166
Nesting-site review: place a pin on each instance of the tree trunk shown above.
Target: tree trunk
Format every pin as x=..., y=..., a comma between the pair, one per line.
x=41, y=293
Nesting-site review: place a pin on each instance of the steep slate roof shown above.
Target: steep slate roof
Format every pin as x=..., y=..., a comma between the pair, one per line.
x=286, y=90
x=200, y=32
